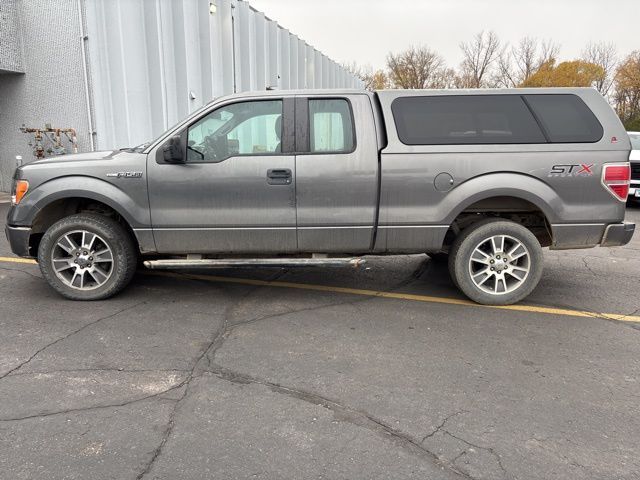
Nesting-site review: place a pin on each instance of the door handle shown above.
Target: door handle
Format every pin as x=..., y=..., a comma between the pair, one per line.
x=279, y=176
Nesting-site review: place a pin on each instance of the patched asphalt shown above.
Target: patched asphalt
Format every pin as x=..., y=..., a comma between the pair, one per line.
x=186, y=378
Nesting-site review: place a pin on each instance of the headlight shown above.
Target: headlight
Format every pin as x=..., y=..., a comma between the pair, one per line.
x=20, y=189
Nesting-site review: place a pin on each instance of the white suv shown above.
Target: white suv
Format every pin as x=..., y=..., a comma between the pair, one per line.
x=634, y=158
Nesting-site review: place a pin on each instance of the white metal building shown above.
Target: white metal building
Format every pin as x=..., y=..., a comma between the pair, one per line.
x=122, y=71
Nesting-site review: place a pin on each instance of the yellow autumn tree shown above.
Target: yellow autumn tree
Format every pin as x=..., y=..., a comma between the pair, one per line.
x=576, y=73
x=379, y=80
x=627, y=91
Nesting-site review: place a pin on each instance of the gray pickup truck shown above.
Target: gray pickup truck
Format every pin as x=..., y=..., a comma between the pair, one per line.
x=485, y=178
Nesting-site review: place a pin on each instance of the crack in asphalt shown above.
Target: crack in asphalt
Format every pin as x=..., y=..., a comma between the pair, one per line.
x=441, y=428
x=243, y=323
x=588, y=267
x=342, y=412
x=168, y=429
x=356, y=417
x=119, y=370
x=442, y=424
x=228, y=330
x=86, y=325
x=490, y=450
x=21, y=271
x=94, y=407
x=186, y=383
x=220, y=337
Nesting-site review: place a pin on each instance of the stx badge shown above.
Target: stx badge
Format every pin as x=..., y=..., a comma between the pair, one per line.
x=575, y=170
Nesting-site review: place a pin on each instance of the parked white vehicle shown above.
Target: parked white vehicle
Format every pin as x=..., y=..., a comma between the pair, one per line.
x=634, y=158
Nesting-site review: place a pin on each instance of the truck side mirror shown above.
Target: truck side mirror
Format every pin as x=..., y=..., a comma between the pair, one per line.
x=173, y=151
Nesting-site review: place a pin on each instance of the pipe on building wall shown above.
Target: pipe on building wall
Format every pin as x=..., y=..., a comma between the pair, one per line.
x=85, y=74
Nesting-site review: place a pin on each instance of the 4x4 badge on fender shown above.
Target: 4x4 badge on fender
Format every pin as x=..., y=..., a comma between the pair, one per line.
x=125, y=174
x=574, y=170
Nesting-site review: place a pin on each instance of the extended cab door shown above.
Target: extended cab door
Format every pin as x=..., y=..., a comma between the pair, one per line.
x=336, y=173
x=236, y=191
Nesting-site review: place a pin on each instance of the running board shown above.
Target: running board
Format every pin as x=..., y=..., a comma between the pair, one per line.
x=253, y=262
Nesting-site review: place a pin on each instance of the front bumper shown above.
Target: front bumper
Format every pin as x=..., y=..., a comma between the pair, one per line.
x=618, y=234
x=19, y=240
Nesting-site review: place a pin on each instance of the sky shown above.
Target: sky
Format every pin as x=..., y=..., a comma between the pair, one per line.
x=365, y=31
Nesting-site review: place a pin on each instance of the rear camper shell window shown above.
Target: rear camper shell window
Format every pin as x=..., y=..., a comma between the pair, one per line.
x=565, y=118
x=494, y=119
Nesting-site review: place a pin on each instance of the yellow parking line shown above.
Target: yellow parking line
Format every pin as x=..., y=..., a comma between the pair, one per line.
x=401, y=296
x=17, y=260
x=376, y=293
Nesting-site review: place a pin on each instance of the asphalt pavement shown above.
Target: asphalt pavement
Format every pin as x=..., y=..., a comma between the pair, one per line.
x=379, y=373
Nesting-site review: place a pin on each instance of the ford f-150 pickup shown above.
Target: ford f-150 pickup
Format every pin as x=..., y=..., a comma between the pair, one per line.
x=485, y=178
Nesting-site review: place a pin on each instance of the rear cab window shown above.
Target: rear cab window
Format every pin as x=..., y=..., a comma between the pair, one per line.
x=330, y=126
x=494, y=119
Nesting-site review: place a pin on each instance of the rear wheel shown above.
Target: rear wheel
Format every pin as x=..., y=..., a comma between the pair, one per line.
x=87, y=257
x=496, y=262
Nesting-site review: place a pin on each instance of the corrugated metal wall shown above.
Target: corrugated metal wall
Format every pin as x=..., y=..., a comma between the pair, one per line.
x=152, y=62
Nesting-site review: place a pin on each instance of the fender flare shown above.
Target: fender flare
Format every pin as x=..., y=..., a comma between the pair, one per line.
x=76, y=186
x=491, y=185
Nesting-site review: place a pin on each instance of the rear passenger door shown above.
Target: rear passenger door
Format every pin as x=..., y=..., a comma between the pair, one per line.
x=336, y=173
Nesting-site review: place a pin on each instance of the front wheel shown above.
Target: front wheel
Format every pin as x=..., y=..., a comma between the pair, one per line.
x=87, y=257
x=496, y=262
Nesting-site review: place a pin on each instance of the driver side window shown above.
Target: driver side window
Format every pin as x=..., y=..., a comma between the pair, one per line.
x=245, y=128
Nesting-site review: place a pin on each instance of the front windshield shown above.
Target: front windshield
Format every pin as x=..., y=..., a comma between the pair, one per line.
x=635, y=141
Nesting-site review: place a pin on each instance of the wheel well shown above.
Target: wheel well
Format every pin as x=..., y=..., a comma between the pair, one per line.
x=64, y=207
x=510, y=208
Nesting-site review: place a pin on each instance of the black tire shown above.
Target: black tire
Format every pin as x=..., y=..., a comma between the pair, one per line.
x=110, y=233
x=471, y=238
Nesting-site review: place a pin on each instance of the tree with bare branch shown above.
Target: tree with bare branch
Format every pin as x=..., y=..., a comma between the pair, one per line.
x=549, y=52
x=372, y=79
x=604, y=55
x=417, y=67
x=518, y=63
x=479, y=56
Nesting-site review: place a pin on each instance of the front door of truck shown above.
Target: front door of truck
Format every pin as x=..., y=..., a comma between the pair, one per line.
x=235, y=192
x=336, y=173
